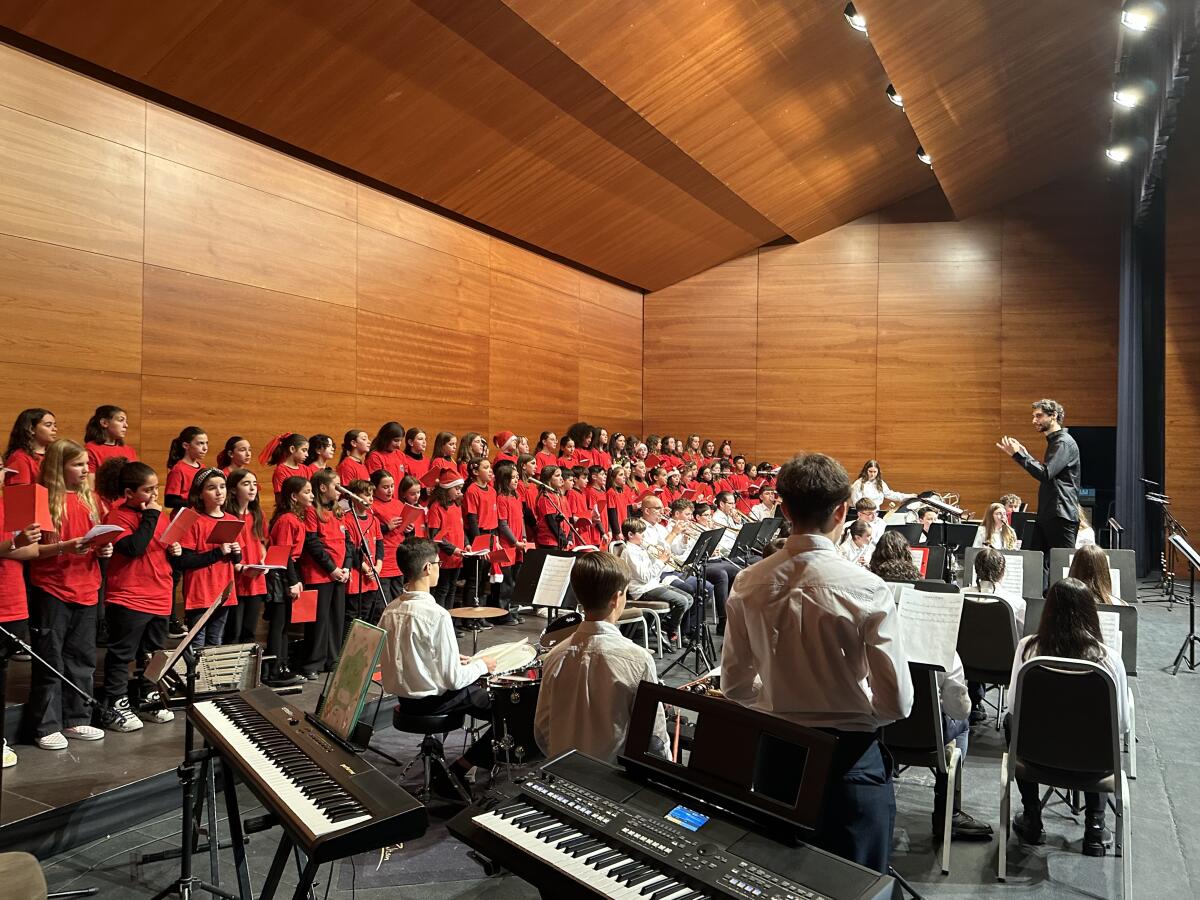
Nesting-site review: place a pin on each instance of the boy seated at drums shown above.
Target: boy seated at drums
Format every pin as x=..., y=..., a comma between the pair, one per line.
x=589, y=681
x=423, y=668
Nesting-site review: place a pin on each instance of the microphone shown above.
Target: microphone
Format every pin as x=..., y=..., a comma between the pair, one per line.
x=540, y=484
x=350, y=495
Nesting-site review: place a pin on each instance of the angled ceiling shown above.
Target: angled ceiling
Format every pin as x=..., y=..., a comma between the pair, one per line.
x=645, y=141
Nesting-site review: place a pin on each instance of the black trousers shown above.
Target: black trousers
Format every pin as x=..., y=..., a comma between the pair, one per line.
x=242, y=625
x=445, y=590
x=279, y=617
x=132, y=635
x=476, y=569
x=860, y=801
x=323, y=637
x=64, y=634
x=1051, y=533
x=367, y=606
x=475, y=701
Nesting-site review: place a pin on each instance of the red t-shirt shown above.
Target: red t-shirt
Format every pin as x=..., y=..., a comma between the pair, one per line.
x=384, y=513
x=201, y=587
x=180, y=478
x=543, y=459
x=598, y=501
x=99, y=454
x=371, y=535
x=283, y=472
x=573, y=460
x=653, y=459
x=549, y=505
x=503, y=457
x=704, y=493
x=602, y=458
x=511, y=509
x=13, y=603
x=585, y=457
x=70, y=578
x=288, y=531
x=739, y=483
x=142, y=583
x=481, y=502
x=447, y=523
x=528, y=493
x=332, y=533
x=416, y=466
x=350, y=469
x=391, y=461
x=27, y=465
x=250, y=584
x=620, y=501
x=443, y=462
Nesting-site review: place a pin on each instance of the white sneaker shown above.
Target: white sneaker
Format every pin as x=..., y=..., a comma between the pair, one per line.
x=54, y=741
x=84, y=733
x=160, y=716
x=10, y=758
x=119, y=717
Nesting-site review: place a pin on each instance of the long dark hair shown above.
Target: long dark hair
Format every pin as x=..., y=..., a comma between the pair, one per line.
x=225, y=457
x=185, y=437
x=316, y=444
x=409, y=437
x=236, y=477
x=504, y=472
x=320, y=479
x=878, y=479
x=94, y=432
x=464, y=446
x=1070, y=627
x=440, y=443
x=118, y=475
x=388, y=432
x=348, y=440
x=284, y=448
x=891, y=560
x=285, y=500
x=195, y=497
x=22, y=430
x=578, y=432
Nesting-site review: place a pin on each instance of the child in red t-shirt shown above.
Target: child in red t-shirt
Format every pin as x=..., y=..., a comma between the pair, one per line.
x=323, y=566
x=284, y=586
x=184, y=460
x=286, y=452
x=387, y=451
x=445, y=524
x=365, y=595
x=480, y=516
x=32, y=432
x=104, y=437
x=352, y=465
x=207, y=567
x=242, y=501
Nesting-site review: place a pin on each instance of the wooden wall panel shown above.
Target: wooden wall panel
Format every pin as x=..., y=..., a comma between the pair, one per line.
x=70, y=308
x=273, y=296
x=940, y=288
x=69, y=188
x=204, y=224
x=727, y=290
x=791, y=286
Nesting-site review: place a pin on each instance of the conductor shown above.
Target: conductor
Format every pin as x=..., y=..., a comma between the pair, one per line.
x=1057, y=475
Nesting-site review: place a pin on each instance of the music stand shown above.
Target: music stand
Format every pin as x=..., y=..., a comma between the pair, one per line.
x=525, y=590
x=767, y=530
x=910, y=530
x=743, y=543
x=1189, y=643
x=699, y=641
x=1170, y=528
x=950, y=512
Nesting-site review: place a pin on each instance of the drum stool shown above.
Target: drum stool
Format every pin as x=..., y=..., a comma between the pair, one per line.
x=432, y=751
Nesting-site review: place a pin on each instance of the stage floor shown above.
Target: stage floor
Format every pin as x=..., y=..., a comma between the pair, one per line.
x=1166, y=795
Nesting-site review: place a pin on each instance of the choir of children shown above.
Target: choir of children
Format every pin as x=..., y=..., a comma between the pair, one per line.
x=335, y=531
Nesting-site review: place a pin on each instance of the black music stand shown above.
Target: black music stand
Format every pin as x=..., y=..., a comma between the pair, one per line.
x=1189, y=643
x=10, y=639
x=1171, y=527
x=187, y=882
x=699, y=642
x=767, y=530
x=530, y=575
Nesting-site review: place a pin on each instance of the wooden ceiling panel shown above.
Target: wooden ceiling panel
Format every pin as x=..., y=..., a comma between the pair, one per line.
x=781, y=101
x=1004, y=96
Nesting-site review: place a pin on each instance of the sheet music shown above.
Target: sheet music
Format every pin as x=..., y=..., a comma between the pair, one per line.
x=727, y=540
x=929, y=626
x=1110, y=630
x=1012, y=584
x=1114, y=575
x=553, y=581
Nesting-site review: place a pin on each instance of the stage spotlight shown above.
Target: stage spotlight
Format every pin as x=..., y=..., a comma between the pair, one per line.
x=1140, y=15
x=855, y=18
x=1119, y=153
x=924, y=157
x=1127, y=98
x=894, y=96
x=1133, y=91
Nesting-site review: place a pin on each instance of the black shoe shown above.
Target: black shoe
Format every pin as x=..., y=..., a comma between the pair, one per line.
x=484, y=625
x=459, y=632
x=978, y=716
x=963, y=827
x=720, y=628
x=1096, y=838
x=1029, y=830
x=308, y=676
x=285, y=678
x=510, y=619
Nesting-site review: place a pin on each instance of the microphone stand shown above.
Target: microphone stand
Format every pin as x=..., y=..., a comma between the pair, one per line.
x=8, y=637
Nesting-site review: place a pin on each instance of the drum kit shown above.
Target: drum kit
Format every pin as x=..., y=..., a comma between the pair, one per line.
x=514, y=687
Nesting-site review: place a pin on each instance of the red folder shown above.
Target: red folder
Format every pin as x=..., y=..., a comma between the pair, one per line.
x=482, y=542
x=180, y=525
x=503, y=556
x=226, y=531
x=277, y=556
x=304, y=607
x=25, y=505
x=920, y=558
x=414, y=516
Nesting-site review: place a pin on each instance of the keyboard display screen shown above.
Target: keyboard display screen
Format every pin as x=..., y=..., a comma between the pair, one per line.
x=688, y=818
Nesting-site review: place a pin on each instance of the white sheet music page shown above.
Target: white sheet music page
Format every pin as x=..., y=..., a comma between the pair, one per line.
x=1013, y=581
x=553, y=581
x=929, y=626
x=1110, y=630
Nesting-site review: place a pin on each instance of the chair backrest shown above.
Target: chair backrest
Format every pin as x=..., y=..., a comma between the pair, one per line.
x=920, y=734
x=1031, y=568
x=1129, y=628
x=987, y=638
x=934, y=586
x=1065, y=715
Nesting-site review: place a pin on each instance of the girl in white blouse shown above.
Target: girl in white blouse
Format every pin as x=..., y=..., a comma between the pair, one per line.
x=995, y=532
x=870, y=484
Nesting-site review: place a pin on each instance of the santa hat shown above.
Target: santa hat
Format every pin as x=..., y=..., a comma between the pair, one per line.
x=448, y=478
x=502, y=439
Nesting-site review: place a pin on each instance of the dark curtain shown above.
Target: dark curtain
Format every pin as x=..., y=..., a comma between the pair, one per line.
x=1141, y=433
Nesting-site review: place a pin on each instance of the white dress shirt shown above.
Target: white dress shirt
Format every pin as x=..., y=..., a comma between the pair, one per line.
x=420, y=652
x=996, y=543
x=586, y=698
x=760, y=511
x=815, y=639
x=644, y=569
x=956, y=702
x=1017, y=603
x=1108, y=660
x=725, y=521
x=871, y=491
x=858, y=555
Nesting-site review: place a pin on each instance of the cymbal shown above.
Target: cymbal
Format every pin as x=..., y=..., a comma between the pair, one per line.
x=478, y=612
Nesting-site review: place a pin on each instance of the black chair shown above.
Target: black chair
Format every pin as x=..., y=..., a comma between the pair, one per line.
x=933, y=586
x=432, y=750
x=1066, y=734
x=987, y=642
x=919, y=741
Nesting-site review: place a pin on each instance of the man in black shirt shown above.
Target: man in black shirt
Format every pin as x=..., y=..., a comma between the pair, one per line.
x=1058, y=479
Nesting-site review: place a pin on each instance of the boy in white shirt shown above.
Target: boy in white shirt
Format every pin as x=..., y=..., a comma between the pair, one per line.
x=646, y=567
x=589, y=682
x=767, y=506
x=421, y=664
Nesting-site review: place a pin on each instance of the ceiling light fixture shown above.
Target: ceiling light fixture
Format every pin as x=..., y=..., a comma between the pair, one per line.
x=1127, y=98
x=855, y=18
x=1131, y=92
x=1119, y=153
x=1140, y=15
x=894, y=96
x=924, y=157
